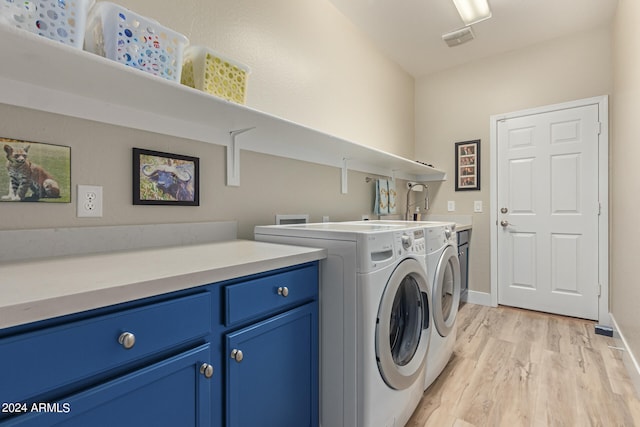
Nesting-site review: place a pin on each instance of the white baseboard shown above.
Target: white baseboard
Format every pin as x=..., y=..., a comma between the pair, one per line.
x=475, y=297
x=630, y=360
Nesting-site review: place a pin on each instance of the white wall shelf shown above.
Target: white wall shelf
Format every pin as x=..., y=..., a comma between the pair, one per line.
x=43, y=75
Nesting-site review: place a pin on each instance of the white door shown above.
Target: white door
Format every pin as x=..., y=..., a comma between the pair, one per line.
x=547, y=201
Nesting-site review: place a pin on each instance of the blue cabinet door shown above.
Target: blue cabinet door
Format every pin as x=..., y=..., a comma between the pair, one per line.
x=272, y=379
x=169, y=393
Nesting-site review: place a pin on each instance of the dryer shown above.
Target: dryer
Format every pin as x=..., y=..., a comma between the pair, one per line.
x=375, y=329
x=444, y=268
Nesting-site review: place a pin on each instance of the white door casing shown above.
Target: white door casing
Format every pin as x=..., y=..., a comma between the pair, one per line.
x=549, y=213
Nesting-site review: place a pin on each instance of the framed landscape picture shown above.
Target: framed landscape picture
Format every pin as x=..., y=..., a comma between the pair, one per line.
x=35, y=172
x=468, y=165
x=165, y=179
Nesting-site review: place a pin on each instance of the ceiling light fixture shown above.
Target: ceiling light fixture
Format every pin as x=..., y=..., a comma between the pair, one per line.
x=473, y=11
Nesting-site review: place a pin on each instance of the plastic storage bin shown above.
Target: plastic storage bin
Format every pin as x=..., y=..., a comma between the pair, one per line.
x=60, y=20
x=211, y=72
x=131, y=39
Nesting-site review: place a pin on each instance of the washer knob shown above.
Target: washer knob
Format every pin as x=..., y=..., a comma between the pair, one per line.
x=406, y=241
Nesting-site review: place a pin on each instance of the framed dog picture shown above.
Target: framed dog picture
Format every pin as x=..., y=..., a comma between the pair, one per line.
x=35, y=172
x=165, y=179
x=468, y=165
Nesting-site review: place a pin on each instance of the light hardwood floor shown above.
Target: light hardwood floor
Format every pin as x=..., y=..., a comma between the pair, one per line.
x=515, y=367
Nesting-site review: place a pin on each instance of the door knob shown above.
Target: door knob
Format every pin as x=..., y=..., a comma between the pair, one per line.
x=504, y=223
x=504, y=210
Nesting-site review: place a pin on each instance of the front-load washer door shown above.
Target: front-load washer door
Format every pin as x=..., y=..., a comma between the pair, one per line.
x=446, y=291
x=403, y=325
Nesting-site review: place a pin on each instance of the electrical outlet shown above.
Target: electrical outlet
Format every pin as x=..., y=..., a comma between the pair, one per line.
x=477, y=206
x=89, y=201
x=325, y=218
x=365, y=217
x=451, y=205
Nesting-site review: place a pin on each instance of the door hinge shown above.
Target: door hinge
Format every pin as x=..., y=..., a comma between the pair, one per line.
x=599, y=289
x=599, y=208
x=599, y=127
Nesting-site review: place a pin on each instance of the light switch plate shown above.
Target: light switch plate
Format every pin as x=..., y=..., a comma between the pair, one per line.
x=477, y=206
x=451, y=205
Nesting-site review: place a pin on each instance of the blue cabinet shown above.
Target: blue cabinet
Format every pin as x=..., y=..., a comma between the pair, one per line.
x=167, y=360
x=173, y=392
x=272, y=374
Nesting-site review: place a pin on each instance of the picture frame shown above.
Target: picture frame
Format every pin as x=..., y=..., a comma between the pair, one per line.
x=467, y=165
x=165, y=179
x=49, y=177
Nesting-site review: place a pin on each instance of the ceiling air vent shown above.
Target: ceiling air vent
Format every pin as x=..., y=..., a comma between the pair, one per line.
x=458, y=37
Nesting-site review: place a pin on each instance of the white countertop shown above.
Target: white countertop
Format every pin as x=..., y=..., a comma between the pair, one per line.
x=46, y=288
x=463, y=222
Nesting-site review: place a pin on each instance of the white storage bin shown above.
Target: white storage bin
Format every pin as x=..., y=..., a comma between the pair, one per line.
x=132, y=39
x=208, y=71
x=60, y=20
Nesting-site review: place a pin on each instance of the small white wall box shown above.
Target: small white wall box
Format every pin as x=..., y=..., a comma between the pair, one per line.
x=283, y=219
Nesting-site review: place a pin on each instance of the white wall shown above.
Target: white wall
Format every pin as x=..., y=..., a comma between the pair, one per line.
x=309, y=65
x=455, y=105
x=625, y=150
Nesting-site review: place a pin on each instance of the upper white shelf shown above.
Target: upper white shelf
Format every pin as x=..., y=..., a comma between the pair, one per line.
x=49, y=76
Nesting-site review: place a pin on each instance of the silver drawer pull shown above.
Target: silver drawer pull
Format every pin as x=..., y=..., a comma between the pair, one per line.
x=206, y=370
x=237, y=355
x=127, y=339
x=283, y=290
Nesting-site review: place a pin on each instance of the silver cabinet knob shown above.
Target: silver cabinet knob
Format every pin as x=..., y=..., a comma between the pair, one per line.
x=283, y=291
x=127, y=340
x=237, y=355
x=206, y=370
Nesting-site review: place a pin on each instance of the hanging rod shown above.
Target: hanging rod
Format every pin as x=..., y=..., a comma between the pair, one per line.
x=368, y=179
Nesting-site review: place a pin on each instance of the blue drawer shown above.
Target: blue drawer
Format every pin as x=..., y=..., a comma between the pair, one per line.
x=38, y=362
x=260, y=297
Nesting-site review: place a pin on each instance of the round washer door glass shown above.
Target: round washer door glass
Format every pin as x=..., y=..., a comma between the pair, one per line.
x=402, y=329
x=406, y=321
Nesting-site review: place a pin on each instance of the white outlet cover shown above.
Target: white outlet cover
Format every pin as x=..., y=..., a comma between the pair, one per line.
x=477, y=206
x=89, y=201
x=451, y=205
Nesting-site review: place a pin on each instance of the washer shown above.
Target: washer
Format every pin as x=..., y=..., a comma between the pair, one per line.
x=443, y=267
x=375, y=328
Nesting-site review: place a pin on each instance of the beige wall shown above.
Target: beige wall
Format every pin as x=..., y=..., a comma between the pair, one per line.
x=625, y=105
x=455, y=105
x=309, y=65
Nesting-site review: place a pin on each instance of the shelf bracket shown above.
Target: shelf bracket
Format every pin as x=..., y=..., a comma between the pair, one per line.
x=344, y=175
x=233, y=158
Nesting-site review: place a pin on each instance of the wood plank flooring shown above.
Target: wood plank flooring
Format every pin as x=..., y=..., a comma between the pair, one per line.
x=515, y=367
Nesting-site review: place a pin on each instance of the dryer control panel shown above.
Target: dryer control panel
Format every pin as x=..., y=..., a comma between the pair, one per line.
x=440, y=236
x=410, y=242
